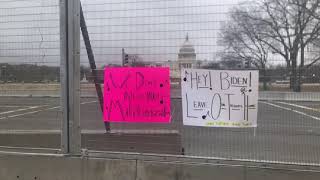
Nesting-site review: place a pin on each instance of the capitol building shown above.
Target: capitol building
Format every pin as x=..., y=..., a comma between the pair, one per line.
x=187, y=58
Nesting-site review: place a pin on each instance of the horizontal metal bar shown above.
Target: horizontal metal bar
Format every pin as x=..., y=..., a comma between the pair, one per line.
x=29, y=150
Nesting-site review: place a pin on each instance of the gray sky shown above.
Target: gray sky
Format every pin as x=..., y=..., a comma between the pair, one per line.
x=154, y=29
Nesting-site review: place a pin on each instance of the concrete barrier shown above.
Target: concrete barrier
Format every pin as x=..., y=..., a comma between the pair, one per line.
x=55, y=167
x=28, y=166
x=167, y=142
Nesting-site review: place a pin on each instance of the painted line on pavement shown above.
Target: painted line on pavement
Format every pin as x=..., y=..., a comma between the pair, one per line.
x=12, y=106
x=18, y=110
x=33, y=112
x=89, y=102
x=288, y=109
x=299, y=106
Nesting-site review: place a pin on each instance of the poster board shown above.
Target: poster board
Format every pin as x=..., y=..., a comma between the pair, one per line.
x=136, y=95
x=219, y=98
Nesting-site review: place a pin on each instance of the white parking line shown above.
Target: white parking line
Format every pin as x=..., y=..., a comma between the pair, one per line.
x=18, y=110
x=33, y=112
x=299, y=106
x=89, y=102
x=12, y=106
x=292, y=110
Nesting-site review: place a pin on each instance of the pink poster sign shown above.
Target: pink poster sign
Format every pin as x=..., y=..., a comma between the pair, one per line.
x=136, y=95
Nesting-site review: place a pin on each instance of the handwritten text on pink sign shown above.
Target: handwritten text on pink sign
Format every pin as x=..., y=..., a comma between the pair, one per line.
x=136, y=95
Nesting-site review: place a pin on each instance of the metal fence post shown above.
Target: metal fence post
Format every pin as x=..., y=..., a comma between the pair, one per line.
x=70, y=76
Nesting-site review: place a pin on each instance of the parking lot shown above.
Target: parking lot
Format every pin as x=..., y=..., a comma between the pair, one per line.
x=287, y=131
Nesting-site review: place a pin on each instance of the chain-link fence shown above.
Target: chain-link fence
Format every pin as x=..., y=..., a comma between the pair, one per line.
x=29, y=73
x=153, y=33
x=278, y=38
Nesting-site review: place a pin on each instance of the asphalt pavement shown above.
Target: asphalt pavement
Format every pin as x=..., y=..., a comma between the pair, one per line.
x=288, y=131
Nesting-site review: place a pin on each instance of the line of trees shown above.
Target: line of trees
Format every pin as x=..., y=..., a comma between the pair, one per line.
x=28, y=73
x=31, y=73
x=268, y=29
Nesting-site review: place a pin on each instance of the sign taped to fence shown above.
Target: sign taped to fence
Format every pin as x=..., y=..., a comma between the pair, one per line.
x=137, y=95
x=217, y=98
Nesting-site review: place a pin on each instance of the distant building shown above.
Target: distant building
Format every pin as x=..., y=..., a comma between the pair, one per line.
x=187, y=58
x=187, y=55
x=311, y=53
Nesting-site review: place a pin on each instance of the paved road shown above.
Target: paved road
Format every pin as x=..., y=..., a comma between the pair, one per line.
x=287, y=131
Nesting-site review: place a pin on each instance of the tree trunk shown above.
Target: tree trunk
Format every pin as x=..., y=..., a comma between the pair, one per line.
x=294, y=74
x=289, y=73
x=264, y=79
x=299, y=81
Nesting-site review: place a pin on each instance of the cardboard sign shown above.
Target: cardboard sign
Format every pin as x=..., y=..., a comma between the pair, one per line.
x=216, y=98
x=137, y=95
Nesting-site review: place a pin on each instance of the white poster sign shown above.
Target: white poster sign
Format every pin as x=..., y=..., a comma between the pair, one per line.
x=219, y=98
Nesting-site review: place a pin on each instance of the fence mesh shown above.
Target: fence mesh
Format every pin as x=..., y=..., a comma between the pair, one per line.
x=29, y=73
x=154, y=33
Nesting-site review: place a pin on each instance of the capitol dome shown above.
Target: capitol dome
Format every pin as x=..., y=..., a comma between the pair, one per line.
x=187, y=47
x=187, y=51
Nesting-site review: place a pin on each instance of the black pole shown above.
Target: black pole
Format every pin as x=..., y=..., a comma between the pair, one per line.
x=92, y=63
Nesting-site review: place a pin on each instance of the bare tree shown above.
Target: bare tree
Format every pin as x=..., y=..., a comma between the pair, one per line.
x=241, y=38
x=288, y=27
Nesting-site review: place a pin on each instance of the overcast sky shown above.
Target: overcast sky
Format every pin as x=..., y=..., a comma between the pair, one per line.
x=153, y=29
